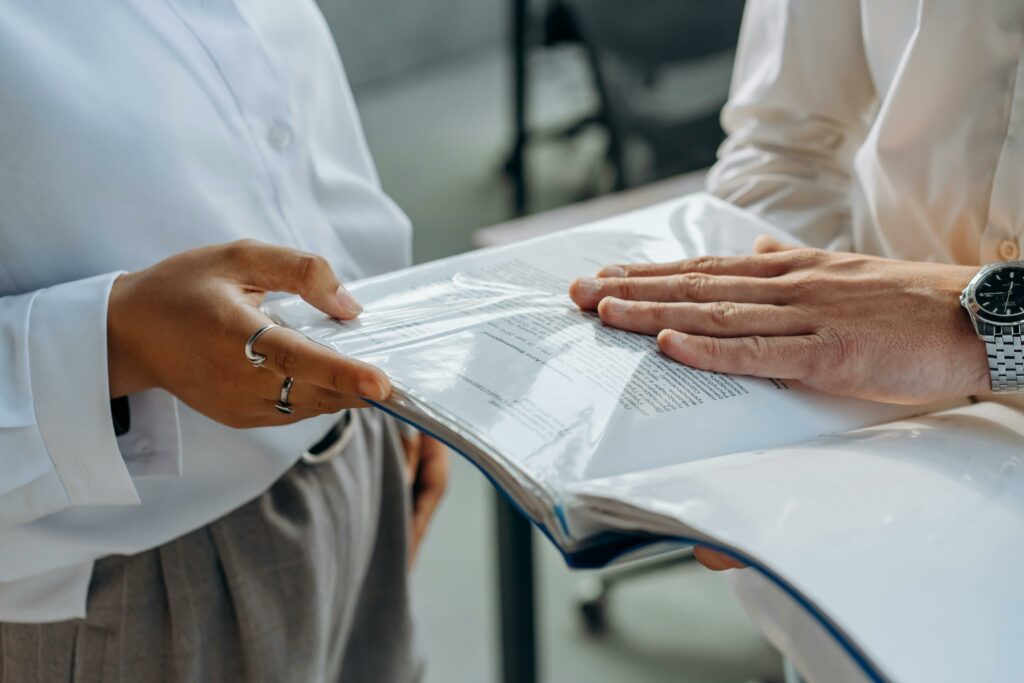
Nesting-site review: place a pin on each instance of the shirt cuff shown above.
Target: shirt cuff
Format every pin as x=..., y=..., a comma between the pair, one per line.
x=152, y=447
x=71, y=391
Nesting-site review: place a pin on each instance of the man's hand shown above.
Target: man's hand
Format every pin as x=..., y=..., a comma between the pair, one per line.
x=182, y=325
x=426, y=469
x=842, y=323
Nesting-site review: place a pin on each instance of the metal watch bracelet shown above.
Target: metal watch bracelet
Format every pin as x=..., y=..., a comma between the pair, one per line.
x=1005, y=356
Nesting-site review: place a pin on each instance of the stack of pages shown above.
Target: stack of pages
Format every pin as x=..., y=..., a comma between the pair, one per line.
x=897, y=533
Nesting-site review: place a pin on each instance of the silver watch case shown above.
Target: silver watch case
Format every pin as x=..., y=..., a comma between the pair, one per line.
x=968, y=299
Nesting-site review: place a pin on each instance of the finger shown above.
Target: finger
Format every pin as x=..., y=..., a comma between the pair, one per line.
x=697, y=287
x=308, y=398
x=753, y=266
x=769, y=245
x=290, y=354
x=720, y=318
x=273, y=268
x=412, y=444
x=431, y=476
x=714, y=560
x=431, y=482
x=259, y=412
x=779, y=357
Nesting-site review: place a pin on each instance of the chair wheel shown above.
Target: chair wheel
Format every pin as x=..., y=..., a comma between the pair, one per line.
x=592, y=600
x=594, y=617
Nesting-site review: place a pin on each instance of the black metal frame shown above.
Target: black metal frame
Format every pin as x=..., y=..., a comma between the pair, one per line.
x=516, y=594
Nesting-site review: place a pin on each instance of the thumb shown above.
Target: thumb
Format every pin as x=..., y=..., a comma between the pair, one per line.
x=280, y=269
x=769, y=245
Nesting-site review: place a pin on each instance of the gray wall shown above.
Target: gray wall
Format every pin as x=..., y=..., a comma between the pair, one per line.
x=383, y=38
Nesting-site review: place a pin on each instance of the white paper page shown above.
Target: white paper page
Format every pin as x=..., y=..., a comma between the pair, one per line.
x=905, y=538
x=491, y=341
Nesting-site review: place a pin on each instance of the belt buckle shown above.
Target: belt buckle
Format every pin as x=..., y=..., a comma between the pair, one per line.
x=333, y=443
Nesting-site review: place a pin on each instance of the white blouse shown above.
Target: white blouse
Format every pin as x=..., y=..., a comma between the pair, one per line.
x=131, y=131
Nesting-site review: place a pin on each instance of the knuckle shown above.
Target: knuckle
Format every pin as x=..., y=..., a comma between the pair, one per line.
x=690, y=285
x=836, y=344
x=238, y=251
x=625, y=288
x=756, y=346
x=284, y=361
x=803, y=285
x=713, y=347
x=337, y=377
x=821, y=354
x=808, y=255
x=704, y=263
x=309, y=267
x=722, y=313
x=660, y=312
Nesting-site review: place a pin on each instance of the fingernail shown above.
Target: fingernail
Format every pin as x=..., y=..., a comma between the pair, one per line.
x=373, y=388
x=612, y=271
x=672, y=338
x=588, y=285
x=348, y=302
x=613, y=305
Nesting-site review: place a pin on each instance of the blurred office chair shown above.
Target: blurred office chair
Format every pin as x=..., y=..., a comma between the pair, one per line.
x=661, y=69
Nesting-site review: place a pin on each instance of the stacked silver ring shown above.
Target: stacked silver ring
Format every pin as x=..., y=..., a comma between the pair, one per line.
x=258, y=359
x=282, y=405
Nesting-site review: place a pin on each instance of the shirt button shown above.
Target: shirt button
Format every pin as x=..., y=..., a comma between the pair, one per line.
x=1009, y=250
x=280, y=136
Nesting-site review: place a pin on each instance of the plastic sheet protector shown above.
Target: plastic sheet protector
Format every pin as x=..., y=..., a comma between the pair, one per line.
x=607, y=446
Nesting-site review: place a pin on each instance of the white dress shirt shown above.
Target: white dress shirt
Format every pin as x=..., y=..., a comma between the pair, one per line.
x=893, y=128
x=131, y=131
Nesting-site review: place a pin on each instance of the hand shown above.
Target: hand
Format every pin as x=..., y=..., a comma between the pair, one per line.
x=842, y=323
x=182, y=325
x=426, y=463
x=714, y=560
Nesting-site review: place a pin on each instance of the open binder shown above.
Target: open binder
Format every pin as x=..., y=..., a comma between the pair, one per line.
x=607, y=446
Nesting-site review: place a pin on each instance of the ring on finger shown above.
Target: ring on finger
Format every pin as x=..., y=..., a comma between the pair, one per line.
x=282, y=405
x=257, y=359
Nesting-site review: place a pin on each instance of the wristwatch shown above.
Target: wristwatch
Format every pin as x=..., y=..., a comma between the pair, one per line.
x=994, y=299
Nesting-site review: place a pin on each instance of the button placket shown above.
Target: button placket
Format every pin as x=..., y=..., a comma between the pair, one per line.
x=261, y=97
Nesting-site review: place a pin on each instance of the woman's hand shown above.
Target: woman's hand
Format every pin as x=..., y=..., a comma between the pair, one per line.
x=426, y=470
x=182, y=325
x=842, y=323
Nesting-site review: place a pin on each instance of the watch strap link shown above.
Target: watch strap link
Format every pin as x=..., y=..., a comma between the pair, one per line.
x=1005, y=348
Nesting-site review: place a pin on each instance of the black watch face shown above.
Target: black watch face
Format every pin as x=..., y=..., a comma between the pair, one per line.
x=1001, y=294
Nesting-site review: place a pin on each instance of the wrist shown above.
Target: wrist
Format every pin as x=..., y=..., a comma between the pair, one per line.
x=126, y=370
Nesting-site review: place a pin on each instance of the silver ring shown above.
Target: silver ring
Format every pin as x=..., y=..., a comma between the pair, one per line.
x=286, y=389
x=282, y=405
x=257, y=359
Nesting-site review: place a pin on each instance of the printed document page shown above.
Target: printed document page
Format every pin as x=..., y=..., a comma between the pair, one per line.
x=490, y=341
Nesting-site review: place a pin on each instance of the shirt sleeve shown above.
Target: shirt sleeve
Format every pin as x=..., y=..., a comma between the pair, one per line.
x=57, y=442
x=799, y=106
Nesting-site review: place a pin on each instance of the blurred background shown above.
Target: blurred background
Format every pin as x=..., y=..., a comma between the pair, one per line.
x=536, y=115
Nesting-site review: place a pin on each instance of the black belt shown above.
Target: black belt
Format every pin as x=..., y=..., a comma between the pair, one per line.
x=334, y=441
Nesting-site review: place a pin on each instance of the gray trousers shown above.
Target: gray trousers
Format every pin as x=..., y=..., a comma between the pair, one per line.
x=306, y=583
